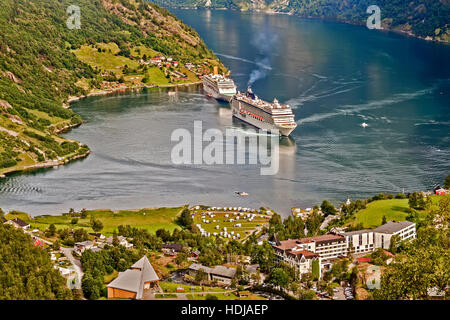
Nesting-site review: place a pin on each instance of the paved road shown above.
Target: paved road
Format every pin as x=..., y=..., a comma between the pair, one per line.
x=76, y=264
x=39, y=238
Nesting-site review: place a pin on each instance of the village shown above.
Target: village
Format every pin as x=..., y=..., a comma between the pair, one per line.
x=321, y=263
x=142, y=67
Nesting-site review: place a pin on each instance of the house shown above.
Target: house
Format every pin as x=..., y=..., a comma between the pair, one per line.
x=122, y=241
x=80, y=247
x=440, y=191
x=221, y=274
x=156, y=60
x=133, y=282
x=64, y=271
x=195, y=253
x=98, y=236
x=172, y=248
x=18, y=223
x=404, y=230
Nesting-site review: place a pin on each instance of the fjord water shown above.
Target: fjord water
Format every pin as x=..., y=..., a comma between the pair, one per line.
x=335, y=76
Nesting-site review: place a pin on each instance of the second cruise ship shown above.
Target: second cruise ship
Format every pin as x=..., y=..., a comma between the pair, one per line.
x=219, y=87
x=262, y=114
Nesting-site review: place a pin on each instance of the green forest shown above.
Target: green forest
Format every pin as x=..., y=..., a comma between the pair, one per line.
x=39, y=70
x=27, y=272
x=424, y=18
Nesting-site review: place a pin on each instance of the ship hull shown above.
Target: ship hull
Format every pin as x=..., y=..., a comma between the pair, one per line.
x=213, y=93
x=266, y=126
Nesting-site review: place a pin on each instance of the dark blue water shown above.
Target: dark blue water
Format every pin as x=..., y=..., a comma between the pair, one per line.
x=335, y=76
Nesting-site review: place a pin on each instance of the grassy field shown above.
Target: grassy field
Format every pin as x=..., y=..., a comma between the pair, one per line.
x=225, y=296
x=165, y=296
x=171, y=287
x=17, y=214
x=108, y=60
x=393, y=209
x=105, y=61
x=223, y=219
x=149, y=219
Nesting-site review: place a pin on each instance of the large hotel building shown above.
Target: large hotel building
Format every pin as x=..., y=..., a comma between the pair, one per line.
x=326, y=248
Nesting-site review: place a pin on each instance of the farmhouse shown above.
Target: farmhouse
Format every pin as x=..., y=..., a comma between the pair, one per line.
x=122, y=241
x=132, y=283
x=18, y=223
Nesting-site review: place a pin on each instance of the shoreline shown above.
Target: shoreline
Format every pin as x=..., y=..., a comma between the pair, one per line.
x=57, y=163
x=273, y=12
x=124, y=89
x=44, y=165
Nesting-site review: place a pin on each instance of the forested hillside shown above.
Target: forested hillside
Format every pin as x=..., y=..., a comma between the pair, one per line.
x=39, y=68
x=424, y=18
x=27, y=272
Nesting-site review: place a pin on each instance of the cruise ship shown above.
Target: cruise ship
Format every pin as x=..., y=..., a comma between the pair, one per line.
x=219, y=87
x=262, y=114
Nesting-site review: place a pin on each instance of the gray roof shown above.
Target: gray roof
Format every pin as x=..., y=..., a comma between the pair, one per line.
x=197, y=267
x=84, y=243
x=110, y=239
x=252, y=268
x=218, y=270
x=224, y=271
x=148, y=273
x=134, y=279
x=20, y=222
x=393, y=226
x=351, y=233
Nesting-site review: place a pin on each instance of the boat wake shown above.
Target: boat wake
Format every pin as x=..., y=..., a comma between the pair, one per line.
x=259, y=64
x=377, y=104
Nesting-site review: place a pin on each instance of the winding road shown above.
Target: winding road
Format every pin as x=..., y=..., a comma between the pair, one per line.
x=76, y=264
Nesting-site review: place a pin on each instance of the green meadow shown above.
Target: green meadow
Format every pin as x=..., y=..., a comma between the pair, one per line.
x=393, y=209
x=149, y=219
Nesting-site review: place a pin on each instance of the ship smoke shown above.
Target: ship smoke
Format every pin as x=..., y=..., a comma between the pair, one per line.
x=264, y=42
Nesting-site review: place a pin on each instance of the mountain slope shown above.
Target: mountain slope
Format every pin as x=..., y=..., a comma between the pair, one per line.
x=41, y=68
x=423, y=18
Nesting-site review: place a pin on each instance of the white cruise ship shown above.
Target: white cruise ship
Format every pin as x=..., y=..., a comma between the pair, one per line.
x=262, y=114
x=219, y=87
